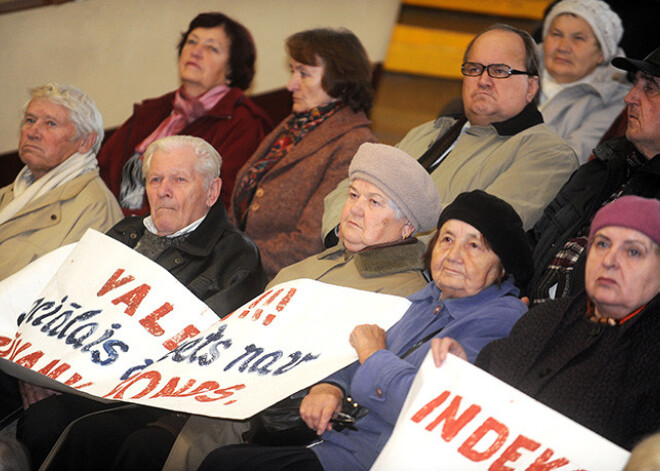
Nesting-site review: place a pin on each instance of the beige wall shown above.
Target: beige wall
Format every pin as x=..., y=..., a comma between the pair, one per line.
x=122, y=51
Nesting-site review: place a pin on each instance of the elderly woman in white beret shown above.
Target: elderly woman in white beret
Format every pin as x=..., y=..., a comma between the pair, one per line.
x=581, y=93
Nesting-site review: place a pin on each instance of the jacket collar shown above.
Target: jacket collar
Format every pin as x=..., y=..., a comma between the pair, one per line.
x=201, y=241
x=528, y=117
x=456, y=306
x=384, y=259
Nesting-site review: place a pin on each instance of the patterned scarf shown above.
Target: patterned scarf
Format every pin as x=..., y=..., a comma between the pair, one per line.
x=185, y=111
x=293, y=131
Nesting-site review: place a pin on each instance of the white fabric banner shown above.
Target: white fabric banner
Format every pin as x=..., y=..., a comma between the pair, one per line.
x=116, y=325
x=458, y=417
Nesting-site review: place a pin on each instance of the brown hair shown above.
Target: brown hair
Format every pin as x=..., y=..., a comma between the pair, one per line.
x=242, y=52
x=347, y=74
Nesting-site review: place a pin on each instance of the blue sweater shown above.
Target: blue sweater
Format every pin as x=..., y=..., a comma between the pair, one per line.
x=382, y=382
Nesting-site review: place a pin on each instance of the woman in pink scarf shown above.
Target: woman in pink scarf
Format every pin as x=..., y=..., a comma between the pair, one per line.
x=216, y=63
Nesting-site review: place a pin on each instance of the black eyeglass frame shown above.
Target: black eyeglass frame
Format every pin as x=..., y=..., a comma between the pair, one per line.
x=511, y=71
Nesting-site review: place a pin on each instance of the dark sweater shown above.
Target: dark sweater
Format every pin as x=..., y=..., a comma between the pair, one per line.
x=605, y=378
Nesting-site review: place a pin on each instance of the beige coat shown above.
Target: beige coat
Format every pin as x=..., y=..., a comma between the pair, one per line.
x=57, y=218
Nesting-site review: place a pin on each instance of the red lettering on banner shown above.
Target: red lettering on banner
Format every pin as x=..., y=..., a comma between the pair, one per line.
x=490, y=425
x=430, y=407
x=75, y=377
x=170, y=388
x=150, y=322
x=258, y=300
x=28, y=361
x=4, y=341
x=452, y=424
x=56, y=372
x=282, y=304
x=273, y=297
x=133, y=298
x=541, y=463
x=12, y=344
x=153, y=377
x=187, y=332
x=114, y=282
x=18, y=350
x=511, y=454
x=222, y=394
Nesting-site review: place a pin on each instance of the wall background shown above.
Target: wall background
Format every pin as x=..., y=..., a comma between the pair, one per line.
x=123, y=51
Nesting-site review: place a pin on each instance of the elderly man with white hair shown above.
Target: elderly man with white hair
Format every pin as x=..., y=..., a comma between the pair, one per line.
x=58, y=195
x=188, y=234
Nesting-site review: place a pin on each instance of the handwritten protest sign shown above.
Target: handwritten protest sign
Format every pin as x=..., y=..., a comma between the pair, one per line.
x=120, y=327
x=460, y=417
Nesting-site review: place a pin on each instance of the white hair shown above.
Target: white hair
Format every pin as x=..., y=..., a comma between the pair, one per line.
x=83, y=113
x=208, y=163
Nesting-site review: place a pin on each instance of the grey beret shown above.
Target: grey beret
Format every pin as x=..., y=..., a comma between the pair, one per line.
x=402, y=179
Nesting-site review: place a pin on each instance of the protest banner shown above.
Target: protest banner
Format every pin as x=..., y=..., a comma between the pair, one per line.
x=115, y=325
x=460, y=417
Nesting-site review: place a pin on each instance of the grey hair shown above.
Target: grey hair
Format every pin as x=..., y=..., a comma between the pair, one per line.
x=83, y=113
x=208, y=163
x=399, y=213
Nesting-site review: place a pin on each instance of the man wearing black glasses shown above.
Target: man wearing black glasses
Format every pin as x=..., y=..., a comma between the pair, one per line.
x=500, y=143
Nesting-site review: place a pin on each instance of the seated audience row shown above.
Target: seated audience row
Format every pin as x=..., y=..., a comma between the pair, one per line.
x=628, y=165
x=501, y=145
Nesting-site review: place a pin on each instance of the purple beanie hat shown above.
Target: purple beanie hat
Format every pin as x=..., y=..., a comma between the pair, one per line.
x=632, y=212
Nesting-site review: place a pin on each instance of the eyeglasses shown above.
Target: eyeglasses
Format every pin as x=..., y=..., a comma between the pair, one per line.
x=496, y=71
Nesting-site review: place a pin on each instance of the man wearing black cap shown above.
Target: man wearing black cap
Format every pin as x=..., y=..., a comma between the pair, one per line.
x=622, y=166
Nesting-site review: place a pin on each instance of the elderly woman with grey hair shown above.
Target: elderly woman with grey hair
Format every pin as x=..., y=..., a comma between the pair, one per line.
x=581, y=92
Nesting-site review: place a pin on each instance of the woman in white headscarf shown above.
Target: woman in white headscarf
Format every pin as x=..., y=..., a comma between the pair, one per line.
x=581, y=92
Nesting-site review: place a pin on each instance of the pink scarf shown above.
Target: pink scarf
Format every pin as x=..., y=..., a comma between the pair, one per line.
x=186, y=110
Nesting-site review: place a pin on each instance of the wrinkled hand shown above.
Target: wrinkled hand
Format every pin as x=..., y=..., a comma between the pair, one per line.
x=367, y=339
x=441, y=347
x=31, y=393
x=320, y=405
